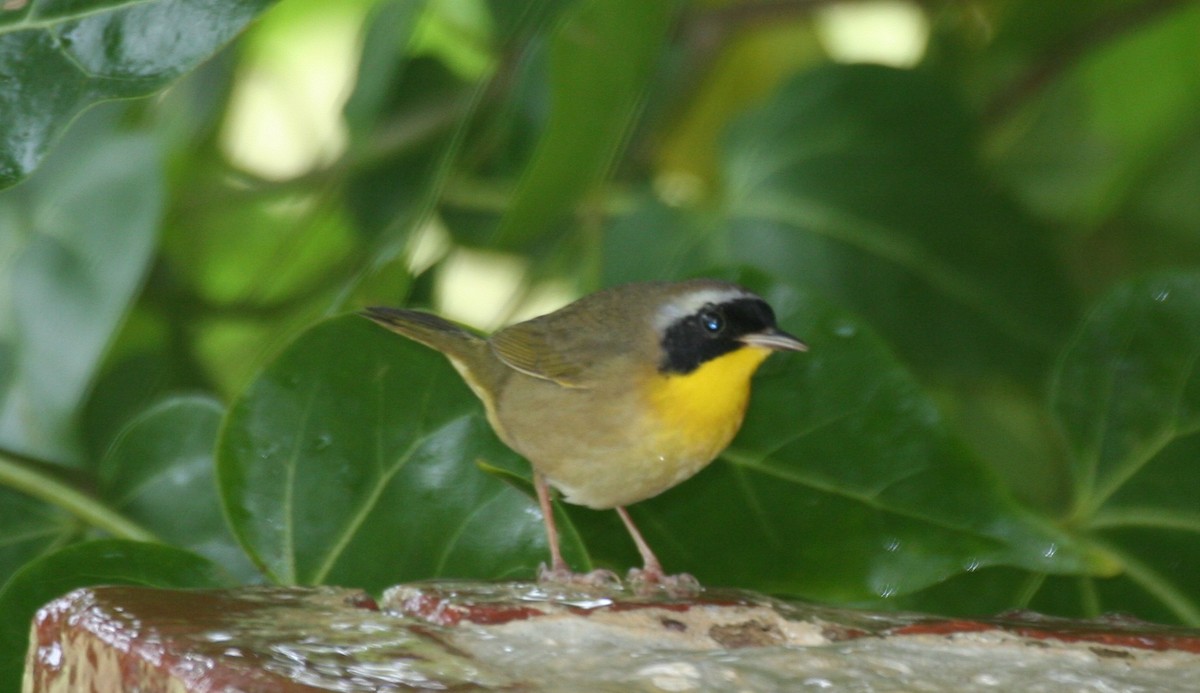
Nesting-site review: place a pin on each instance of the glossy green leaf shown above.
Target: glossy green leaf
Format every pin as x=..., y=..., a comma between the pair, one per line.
x=602, y=56
x=92, y=563
x=80, y=233
x=845, y=483
x=61, y=57
x=160, y=473
x=352, y=460
x=861, y=180
x=1127, y=398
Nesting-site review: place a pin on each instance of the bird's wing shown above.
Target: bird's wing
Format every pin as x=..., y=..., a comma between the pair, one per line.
x=555, y=350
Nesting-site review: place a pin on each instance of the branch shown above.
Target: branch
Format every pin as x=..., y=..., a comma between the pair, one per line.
x=18, y=474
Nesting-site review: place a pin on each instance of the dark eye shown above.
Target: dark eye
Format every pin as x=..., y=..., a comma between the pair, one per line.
x=712, y=322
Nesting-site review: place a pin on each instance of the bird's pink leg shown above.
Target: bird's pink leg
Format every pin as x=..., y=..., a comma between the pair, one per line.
x=651, y=576
x=558, y=567
x=651, y=568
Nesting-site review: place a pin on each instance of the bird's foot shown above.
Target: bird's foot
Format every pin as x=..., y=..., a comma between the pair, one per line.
x=646, y=581
x=565, y=577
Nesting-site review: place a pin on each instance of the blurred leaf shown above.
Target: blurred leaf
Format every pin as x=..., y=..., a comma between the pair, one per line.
x=124, y=389
x=1167, y=200
x=518, y=20
x=601, y=59
x=391, y=191
x=248, y=272
x=68, y=56
x=409, y=115
x=93, y=563
x=655, y=241
x=299, y=246
x=351, y=460
x=28, y=528
x=751, y=63
x=85, y=228
x=1083, y=151
x=387, y=31
x=160, y=473
x=1128, y=401
x=861, y=180
x=844, y=483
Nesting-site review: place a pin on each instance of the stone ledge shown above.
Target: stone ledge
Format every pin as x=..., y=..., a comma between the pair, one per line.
x=518, y=636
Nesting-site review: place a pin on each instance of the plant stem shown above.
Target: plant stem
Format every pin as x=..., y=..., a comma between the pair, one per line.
x=31, y=482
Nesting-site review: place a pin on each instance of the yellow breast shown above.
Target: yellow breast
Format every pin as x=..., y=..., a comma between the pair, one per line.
x=699, y=412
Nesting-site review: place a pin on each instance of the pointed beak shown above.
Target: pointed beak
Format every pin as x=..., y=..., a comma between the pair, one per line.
x=777, y=340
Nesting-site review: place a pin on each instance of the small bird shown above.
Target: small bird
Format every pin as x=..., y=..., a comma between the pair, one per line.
x=616, y=397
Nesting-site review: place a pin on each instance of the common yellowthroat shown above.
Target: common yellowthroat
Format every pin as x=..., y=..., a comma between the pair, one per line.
x=618, y=396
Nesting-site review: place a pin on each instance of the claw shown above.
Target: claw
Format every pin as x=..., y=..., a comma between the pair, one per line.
x=645, y=582
x=599, y=578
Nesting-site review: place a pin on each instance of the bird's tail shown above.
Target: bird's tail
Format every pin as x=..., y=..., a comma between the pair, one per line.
x=468, y=352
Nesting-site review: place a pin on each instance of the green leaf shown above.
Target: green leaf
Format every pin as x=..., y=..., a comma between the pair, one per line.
x=845, y=483
x=861, y=181
x=388, y=195
x=352, y=460
x=1127, y=385
x=59, y=58
x=1085, y=150
x=92, y=563
x=522, y=20
x=81, y=233
x=160, y=473
x=28, y=528
x=127, y=385
x=1127, y=398
x=602, y=57
x=386, y=35
x=656, y=242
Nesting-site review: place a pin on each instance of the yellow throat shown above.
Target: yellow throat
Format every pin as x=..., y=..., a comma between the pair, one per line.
x=702, y=410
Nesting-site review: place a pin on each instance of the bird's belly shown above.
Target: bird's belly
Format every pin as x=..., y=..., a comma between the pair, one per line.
x=614, y=449
x=609, y=476
x=600, y=456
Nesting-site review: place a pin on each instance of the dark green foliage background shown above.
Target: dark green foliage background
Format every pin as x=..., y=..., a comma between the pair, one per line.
x=995, y=256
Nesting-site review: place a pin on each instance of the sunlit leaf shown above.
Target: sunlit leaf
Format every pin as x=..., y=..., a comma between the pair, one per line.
x=352, y=460
x=68, y=56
